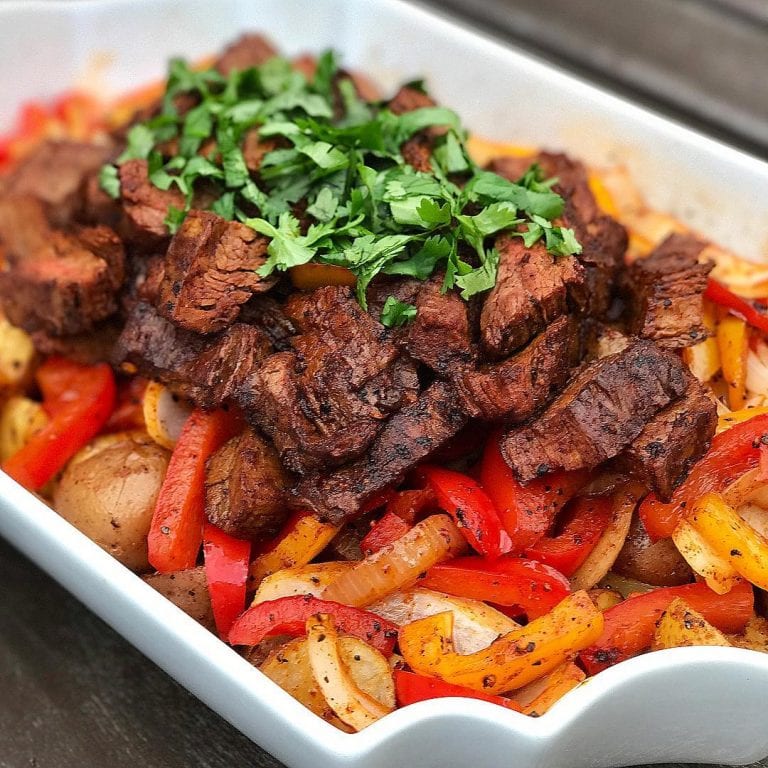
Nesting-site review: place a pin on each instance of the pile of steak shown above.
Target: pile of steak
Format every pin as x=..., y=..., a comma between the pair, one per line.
x=571, y=358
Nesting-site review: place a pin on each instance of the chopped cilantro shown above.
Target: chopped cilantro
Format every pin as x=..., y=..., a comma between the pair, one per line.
x=396, y=313
x=339, y=157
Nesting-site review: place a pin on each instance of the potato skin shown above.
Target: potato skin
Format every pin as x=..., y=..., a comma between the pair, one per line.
x=109, y=490
x=659, y=564
x=188, y=590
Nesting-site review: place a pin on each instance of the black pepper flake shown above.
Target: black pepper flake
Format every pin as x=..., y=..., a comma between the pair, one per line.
x=735, y=553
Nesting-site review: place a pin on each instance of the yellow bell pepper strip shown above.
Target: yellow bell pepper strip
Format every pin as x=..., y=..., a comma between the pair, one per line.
x=732, y=538
x=732, y=418
x=513, y=660
x=79, y=399
x=733, y=343
x=549, y=689
x=303, y=537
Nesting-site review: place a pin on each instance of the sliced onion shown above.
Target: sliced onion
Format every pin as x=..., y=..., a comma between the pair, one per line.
x=749, y=487
x=300, y=580
x=602, y=557
x=434, y=539
x=756, y=516
x=716, y=571
x=475, y=624
x=757, y=374
x=351, y=703
x=164, y=414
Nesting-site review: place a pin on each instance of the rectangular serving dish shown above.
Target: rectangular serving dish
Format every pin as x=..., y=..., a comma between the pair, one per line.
x=690, y=705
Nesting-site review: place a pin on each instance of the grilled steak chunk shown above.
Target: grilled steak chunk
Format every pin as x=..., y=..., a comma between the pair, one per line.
x=245, y=488
x=409, y=437
x=145, y=206
x=678, y=436
x=516, y=389
x=210, y=271
x=268, y=316
x=532, y=289
x=600, y=413
x=55, y=173
x=206, y=369
x=55, y=281
x=94, y=346
x=666, y=290
x=417, y=150
x=324, y=402
x=249, y=50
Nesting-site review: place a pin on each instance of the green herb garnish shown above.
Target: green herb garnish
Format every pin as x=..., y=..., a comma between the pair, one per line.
x=372, y=213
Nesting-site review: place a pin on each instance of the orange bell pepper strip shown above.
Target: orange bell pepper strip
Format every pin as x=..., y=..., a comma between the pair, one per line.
x=732, y=453
x=733, y=343
x=526, y=511
x=176, y=532
x=411, y=688
x=471, y=509
x=307, y=277
x=510, y=581
x=79, y=404
x=226, y=573
x=629, y=626
x=303, y=537
x=588, y=518
x=511, y=661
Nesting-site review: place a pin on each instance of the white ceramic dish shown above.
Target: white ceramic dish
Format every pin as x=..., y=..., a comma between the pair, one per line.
x=690, y=705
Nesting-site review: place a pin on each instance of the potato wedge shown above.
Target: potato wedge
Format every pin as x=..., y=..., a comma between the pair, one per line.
x=754, y=637
x=20, y=419
x=681, y=626
x=475, y=624
x=17, y=358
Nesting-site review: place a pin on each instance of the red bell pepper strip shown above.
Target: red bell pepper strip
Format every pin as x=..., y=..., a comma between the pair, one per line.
x=587, y=518
x=79, y=407
x=288, y=616
x=468, y=504
x=383, y=532
x=410, y=688
x=226, y=572
x=535, y=587
x=629, y=626
x=411, y=505
x=732, y=453
x=527, y=511
x=176, y=532
x=719, y=294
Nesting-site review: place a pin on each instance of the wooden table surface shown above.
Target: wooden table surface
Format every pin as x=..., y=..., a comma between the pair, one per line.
x=74, y=694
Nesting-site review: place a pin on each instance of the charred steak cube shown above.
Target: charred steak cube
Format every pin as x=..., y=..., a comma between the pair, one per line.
x=600, y=413
x=532, y=289
x=408, y=438
x=678, y=436
x=249, y=50
x=245, y=488
x=666, y=290
x=519, y=387
x=210, y=272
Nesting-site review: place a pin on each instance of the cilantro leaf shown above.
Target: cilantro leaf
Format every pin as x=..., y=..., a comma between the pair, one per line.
x=140, y=142
x=395, y=313
x=109, y=181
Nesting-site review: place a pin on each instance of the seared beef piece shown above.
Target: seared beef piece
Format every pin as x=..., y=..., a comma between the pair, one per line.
x=55, y=173
x=417, y=150
x=666, y=290
x=603, y=239
x=662, y=455
x=516, y=389
x=600, y=413
x=532, y=289
x=94, y=346
x=249, y=50
x=602, y=340
x=268, y=316
x=206, y=369
x=255, y=148
x=408, y=438
x=245, y=488
x=54, y=281
x=324, y=402
x=97, y=206
x=145, y=206
x=439, y=336
x=210, y=271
